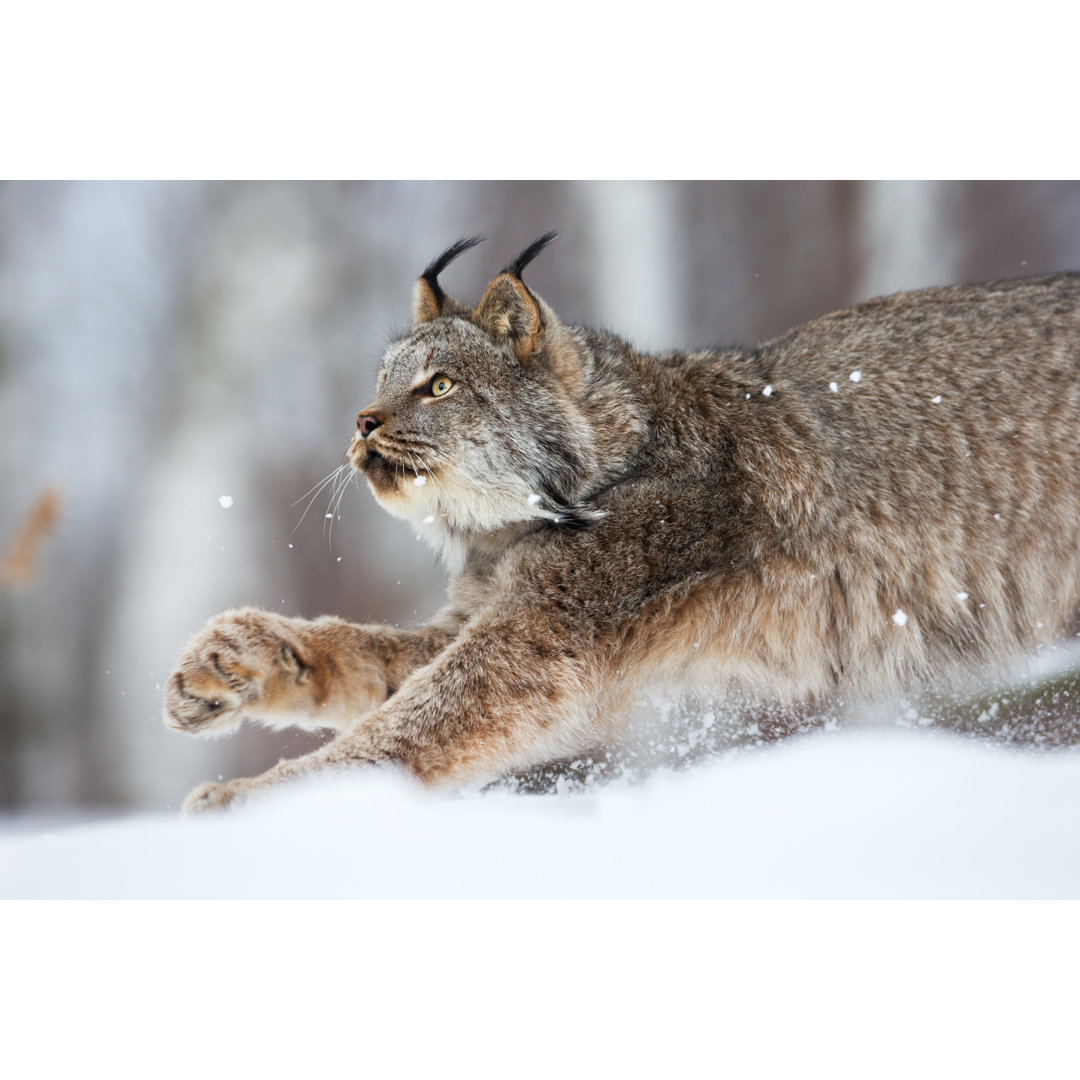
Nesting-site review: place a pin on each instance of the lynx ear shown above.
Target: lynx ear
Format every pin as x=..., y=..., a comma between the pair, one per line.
x=429, y=300
x=509, y=311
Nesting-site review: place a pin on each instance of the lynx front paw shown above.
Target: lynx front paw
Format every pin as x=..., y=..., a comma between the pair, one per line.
x=211, y=796
x=241, y=663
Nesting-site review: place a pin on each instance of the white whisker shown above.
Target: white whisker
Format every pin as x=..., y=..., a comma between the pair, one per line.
x=335, y=505
x=314, y=493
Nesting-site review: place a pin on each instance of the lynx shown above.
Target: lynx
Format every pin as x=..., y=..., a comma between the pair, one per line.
x=886, y=494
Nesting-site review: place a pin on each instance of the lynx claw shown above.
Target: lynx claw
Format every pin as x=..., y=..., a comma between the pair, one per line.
x=211, y=796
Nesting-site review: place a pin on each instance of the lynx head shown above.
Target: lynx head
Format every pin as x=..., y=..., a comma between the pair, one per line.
x=475, y=424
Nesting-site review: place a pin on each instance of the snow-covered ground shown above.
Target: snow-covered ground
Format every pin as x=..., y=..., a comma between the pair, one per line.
x=872, y=813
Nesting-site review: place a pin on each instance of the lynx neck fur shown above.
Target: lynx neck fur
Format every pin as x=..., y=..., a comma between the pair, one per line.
x=885, y=495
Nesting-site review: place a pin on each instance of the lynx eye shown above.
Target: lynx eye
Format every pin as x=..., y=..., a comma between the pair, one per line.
x=440, y=385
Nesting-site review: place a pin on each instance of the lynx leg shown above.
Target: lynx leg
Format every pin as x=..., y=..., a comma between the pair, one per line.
x=250, y=664
x=507, y=693
x=342, y=751
x=516, y=691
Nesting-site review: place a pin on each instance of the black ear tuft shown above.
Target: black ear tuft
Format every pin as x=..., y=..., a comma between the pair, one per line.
x=437, y=266
x=530, y=253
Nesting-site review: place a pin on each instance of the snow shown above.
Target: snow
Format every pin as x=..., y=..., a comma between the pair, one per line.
x=855, y=376
x=226, y=501
x=420, y=481
x=961, y=596
x=899, y=617
x=534, y=499
x=855, y=813
x=834, y=387
x=767, y=392
x=936, y=400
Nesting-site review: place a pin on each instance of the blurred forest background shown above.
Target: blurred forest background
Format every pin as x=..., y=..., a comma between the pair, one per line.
x=163, y=345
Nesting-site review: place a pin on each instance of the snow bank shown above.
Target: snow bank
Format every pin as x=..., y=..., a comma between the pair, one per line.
x=848, y=814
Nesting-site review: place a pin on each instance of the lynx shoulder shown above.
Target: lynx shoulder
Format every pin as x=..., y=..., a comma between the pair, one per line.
x=889, y=493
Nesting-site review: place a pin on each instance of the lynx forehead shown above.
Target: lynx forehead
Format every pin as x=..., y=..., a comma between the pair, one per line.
x=886, y=495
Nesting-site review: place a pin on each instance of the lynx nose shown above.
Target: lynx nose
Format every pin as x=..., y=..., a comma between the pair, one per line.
x=367, y=424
